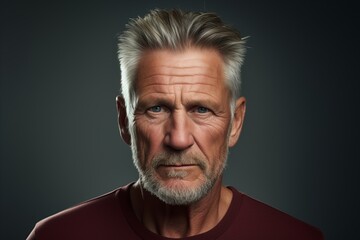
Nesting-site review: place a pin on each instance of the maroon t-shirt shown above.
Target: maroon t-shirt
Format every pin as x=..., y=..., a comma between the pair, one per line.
x=111, y=217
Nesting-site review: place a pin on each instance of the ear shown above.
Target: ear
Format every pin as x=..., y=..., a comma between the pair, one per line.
x=238, y=119
x=123, y=120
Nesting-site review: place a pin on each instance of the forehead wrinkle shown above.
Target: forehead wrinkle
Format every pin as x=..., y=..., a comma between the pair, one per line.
x=185, y=60
x=169, y=66
x=183, y=66
x=169, y=83
x=160, y=75
x=155, y=71
x=170, y=76
x=156, y=94
x=198, y=96
x=164, y=88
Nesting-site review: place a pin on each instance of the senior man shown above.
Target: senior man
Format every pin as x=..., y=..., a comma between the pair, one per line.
x=180, y=111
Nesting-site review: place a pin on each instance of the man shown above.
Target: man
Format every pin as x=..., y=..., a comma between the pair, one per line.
x=180, y=111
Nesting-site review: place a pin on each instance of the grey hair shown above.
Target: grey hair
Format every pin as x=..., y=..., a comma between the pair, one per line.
x=177, y=30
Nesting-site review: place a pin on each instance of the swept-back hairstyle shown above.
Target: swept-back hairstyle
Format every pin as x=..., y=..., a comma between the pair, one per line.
x=176, y=30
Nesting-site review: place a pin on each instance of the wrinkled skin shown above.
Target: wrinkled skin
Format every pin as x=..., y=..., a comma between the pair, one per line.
x=183, y=109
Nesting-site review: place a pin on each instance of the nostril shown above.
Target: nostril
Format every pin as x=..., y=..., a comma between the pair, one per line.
x=179, y=131
x=179, y=140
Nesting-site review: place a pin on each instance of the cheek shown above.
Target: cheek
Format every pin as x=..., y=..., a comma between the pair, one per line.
x=149, y=139
x=216, y=130
x=212, y=140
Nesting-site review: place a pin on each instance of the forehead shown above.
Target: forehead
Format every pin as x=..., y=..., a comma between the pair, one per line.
x=192, y=66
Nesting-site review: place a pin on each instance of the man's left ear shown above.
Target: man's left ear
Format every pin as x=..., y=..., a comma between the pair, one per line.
x=238, y=119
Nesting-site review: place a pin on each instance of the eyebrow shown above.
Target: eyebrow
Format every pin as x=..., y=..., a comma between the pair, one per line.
x=152, y=100
x=169, y=102
x=202, y=102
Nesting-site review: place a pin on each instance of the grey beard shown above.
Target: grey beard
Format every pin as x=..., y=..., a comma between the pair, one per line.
x=179, y=195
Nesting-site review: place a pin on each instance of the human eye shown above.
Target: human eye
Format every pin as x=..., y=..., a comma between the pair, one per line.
x=155, y=109
x=201, y=110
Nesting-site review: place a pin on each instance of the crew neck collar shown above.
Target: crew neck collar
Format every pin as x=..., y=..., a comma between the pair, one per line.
x=140, y=230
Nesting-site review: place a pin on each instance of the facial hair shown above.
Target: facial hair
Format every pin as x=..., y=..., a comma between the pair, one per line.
x=179, y=194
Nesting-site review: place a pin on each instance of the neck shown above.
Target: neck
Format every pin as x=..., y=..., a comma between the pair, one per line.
x=180, y=221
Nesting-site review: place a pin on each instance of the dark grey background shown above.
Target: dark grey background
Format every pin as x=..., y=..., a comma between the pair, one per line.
x=59, y=78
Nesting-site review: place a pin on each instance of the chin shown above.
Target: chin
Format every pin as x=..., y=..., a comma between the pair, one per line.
x=180, y=184
x=177, y=191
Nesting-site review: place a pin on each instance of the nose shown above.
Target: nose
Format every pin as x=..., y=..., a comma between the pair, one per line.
x=179, y=132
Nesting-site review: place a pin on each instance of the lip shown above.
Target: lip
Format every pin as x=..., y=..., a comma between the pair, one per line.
x=179, y=166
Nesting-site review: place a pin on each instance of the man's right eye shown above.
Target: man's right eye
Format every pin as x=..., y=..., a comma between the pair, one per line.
x=155, y=109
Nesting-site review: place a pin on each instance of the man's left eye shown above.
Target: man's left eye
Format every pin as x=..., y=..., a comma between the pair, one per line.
x=202, y=110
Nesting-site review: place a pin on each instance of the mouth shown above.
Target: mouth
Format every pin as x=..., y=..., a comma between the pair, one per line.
x=177, y=165
x=177, y=171
x=175, y=162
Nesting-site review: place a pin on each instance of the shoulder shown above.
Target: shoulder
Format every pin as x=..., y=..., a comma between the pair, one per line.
x=96, y=216
x=262, y=220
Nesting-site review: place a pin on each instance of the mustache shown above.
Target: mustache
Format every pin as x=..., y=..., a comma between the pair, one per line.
x=178, y=159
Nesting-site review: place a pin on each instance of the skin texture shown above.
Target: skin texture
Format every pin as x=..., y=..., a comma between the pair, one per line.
x=183, y=109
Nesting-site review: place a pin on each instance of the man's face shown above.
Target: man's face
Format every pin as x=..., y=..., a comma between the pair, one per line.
x=182, y=123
